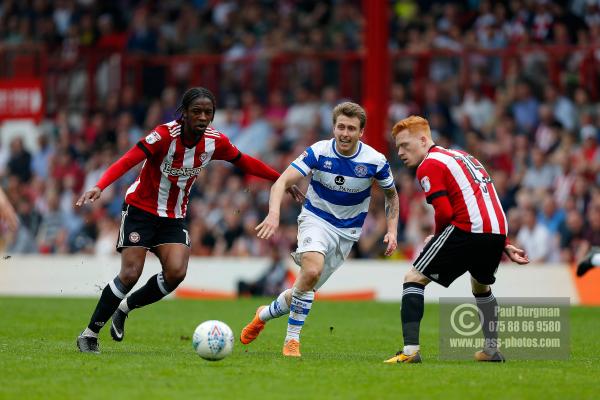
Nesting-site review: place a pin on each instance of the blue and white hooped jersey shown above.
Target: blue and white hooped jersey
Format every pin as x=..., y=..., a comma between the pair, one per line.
x=340, y=188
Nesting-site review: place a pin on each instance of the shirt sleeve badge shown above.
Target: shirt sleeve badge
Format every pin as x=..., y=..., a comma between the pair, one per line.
x=425, y=184
x=153, y=137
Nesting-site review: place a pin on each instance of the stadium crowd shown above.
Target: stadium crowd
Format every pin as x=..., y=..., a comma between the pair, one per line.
x=538, y=138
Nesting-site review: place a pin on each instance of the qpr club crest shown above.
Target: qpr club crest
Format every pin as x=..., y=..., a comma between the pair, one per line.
x=360, y=171
x=153, y=137
x=425, y=184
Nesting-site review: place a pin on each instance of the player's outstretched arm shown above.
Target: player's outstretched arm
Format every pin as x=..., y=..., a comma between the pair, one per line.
x=392, y=210
x=89, y=196
x=516, y=255
x=7, y=212
x=267, y=228
x=129, y=160
x=256, y=167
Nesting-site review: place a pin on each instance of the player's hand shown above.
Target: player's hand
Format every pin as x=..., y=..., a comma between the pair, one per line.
x=296, y=193
x=427, y=239
x=392, y=243
x=516, y=255
x=268, y=227
x=89, y=197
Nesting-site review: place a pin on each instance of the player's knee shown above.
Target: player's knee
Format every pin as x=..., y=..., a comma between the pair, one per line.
x=415, y=276
x=130, y=273
x=479, y=288
x=311, y=274
x=174, y=276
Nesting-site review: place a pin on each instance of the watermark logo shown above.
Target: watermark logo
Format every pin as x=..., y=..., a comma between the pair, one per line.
x=466, y=319
x=520, y=328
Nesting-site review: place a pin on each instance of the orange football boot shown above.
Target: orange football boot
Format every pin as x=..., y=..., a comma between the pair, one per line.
x=291, y=348
x=251, y=331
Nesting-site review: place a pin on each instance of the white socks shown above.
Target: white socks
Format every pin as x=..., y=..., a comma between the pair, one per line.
x=410, y=349
x=299, y=309
x=90, y=333
x=276, y=309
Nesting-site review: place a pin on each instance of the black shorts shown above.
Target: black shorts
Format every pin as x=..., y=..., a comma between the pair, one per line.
x=140, y=228
x=453, y=252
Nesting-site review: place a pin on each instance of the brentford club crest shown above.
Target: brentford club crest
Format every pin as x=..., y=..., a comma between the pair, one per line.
x=134, y=237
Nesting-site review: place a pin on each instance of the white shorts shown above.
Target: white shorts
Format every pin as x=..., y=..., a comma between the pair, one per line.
x=315, y=235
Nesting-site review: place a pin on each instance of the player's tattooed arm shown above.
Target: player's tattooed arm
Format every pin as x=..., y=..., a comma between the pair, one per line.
x=392, y=209
x=392, y=205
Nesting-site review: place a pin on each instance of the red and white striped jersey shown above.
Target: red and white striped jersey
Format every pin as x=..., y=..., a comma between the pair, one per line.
x=170, y=169
x=461, y=177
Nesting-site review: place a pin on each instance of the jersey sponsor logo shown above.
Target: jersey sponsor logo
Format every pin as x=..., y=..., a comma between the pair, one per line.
x=425, y=184
x=341, y=188
x=339, y=180
x=153, y=137
x=134, y=237
x=360, y=170
x=169, y=170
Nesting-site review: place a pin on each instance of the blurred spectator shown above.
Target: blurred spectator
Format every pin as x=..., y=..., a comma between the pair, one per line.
x=534, y=237
x=540, y=175
x=530, y=115
x=19, y=163
x=571, y=234
x=591, y=233
x=256, y=138
x=525, y=108
x=478, y=108
x=272, y=281
x=550, y=215
x=52, y=235
x=563, y=108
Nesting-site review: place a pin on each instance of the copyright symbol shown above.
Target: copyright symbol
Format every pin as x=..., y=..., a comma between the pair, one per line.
x=465, y=319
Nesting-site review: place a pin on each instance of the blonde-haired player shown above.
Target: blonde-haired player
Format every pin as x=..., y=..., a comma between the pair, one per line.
x=343, y=170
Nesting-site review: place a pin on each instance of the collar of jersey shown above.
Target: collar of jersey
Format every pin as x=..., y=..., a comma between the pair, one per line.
x=343, y=156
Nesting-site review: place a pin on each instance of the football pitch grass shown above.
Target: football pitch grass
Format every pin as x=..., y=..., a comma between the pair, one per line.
x=343, y=346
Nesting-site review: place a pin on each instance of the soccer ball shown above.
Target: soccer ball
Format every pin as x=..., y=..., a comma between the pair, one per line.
x=213, y=340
